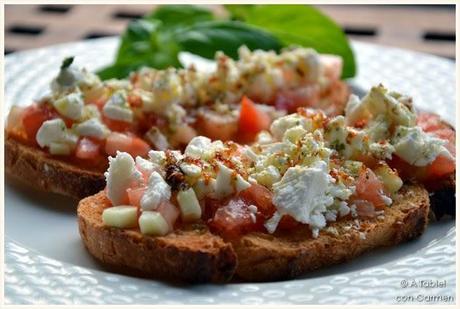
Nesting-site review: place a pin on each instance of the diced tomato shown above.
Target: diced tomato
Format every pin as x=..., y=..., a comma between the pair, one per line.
x=290, y=100
x=217, y=126
x=432, y=123
x=287, y=223
x=87, y=149
x=440, y=167
x=261, y=197
x=135, y=195
x=126, y=143
x=116, y=125
x=33, y=118
x=364, y=209
x=135, y=100
x=252, y=120
x=370, y=188
x=210, y=207
x=169, y=212
x=332, y=65
x=428, y=121
x=234, y=219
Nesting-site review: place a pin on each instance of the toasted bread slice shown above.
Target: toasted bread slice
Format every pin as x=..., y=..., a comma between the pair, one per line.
x=193, y=254
x=38, y=169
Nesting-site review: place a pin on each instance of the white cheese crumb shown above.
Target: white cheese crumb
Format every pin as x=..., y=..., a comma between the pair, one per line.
x=157, y=191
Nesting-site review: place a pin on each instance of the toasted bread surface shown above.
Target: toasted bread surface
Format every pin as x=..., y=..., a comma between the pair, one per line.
x=38, y=169
x=196, y=255
x=190, y=254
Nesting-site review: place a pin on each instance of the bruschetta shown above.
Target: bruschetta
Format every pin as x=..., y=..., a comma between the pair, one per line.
x=311, y=191
x=83, y=120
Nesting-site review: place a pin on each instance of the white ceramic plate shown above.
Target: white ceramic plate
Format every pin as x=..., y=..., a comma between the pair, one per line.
x=46, y=262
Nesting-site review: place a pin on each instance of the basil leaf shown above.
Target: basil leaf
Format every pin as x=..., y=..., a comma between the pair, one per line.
x=300, y=25
x=205, y=39
x=67, y=62
x=174, y=16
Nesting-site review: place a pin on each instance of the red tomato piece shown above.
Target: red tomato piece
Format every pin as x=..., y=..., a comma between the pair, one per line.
x=126, y=143
x=261, y=197
x=233, y=219
x=169, y=212
x=290, y=100
x=135, y=195
x=87, y=149
x=217, y=126
x=364, y=208
x=252, y=119
x=440, y=167
x=332, y=65
x=33, y=118
x=116, y=125
x=370, y=188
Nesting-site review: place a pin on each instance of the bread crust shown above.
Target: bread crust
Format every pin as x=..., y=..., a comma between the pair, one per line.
x=190, y=254
x=196, y=255
x=39, y=170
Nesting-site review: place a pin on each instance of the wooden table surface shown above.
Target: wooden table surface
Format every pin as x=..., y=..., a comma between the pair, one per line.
x=429, y=29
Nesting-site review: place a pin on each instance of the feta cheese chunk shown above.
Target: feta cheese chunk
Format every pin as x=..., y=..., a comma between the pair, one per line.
x=189, y=205
x=120, y=216
x=70, y=106
x=191, y=170
x=120, y=176
x=241, y=184
x=417, y=147
x=92, y=127
x=157, y=191
x=54, y=134
x=198, y=147
x=117, y=108
x=281, y=125
x=204, y=187
x=396, y=109
x=153, y=223
x=224, y=186
x=302, y=194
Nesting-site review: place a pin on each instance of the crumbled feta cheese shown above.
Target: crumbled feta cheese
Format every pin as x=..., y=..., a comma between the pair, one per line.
x=204, y=187
x=224, y=177
x=120, y=176
x=263, y=138
x=379, y=101
x=417, y=147
x=388, y=201
x=157, y=191
x=382, y=150
x=198, y=147
x=281, y=125
x=92, y=127
x=157, y=138
x=55, y=133
x=144, y=166
x=157, y=157
x=302, y=194
x=70, y=106
x=191, y=170
x=268, y=176
x=241, y=184
x=117, y=108
x=294, y=134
